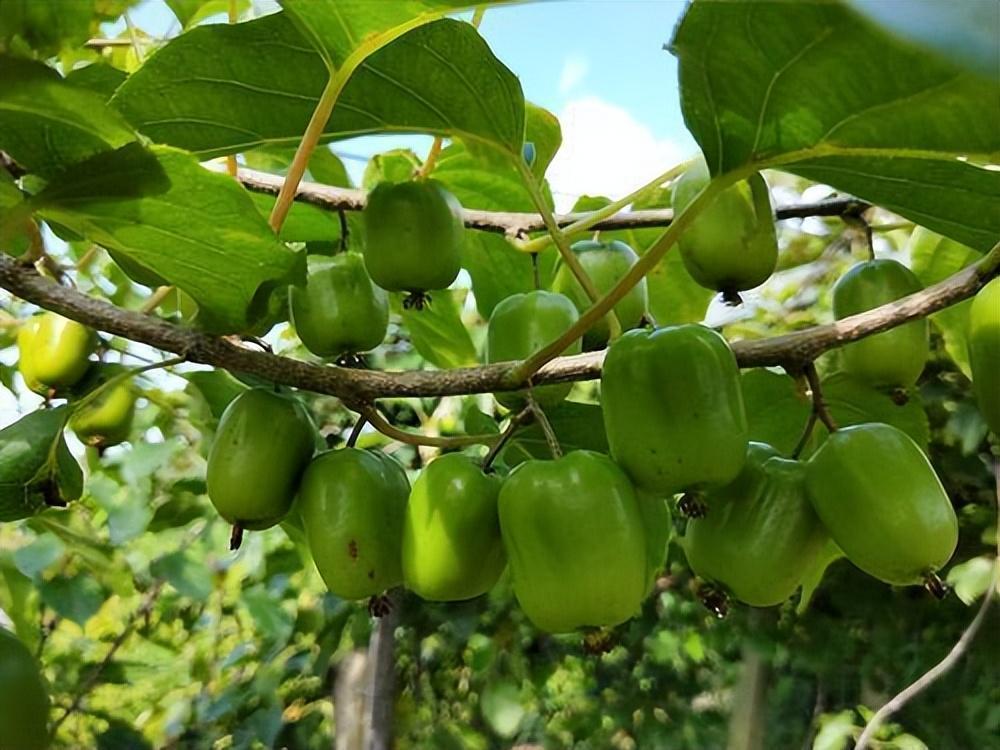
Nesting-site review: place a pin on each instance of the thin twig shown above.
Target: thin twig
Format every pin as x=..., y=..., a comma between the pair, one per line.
x=818, y=402
x=147, y=605
x=550, y=435
x=949, y=661
x=517, y=421
x=381, y=424
x=806, y=434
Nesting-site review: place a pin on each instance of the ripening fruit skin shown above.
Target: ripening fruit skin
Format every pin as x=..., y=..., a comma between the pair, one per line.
x=107, y=420
x=353, y=504
x=54, y=351
x=731, y=245
x=339, y=311
x=984, y=352
x=894, y=358
x=414, y=233
x=575, y=541
x=261, y=448
x=882, y=503
x=521, y=325
x=451, y=538
x=673, y=409
x=760, y=535
x=605, y=263
x=24, y=700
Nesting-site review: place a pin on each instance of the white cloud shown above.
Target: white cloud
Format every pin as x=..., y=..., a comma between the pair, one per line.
x=573, y=71
x=606, y=151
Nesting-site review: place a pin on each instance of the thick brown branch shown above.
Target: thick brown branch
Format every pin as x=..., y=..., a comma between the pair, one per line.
x=514, y=224
x=363, y=386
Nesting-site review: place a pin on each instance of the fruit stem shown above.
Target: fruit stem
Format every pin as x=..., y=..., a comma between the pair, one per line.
x=345, y=232
x=535, y=272
x=376, y=420
x=359, y=425
x=635, y=274
x=236, y=538
x=543, y=421
x=518, y=420
x=819, y=403
x=562, y=243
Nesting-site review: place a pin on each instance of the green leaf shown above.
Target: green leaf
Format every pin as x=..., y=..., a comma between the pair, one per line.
x=437, y=331
x=34, y=469
x=345, y=30
x=185, y=573
x=971, y=579
x=197, y=229
x=429, y=80
x=777, y=409
x=43, y=551
x=813, y=89
x=46, y=124
x=577, y=427
x=965, y=33
x=98, y=77
x=397, y=165
x=191, y=12
x=305, y=223
x=835, y=731
x=543, y=131
x=853, y=402
x=19, y=599
x=127, y=508
x=814, y=575
x=49, y=26
x=272, y=620
x=77, y=598
x=217, y=387
x=501, y=707
x=934, y=258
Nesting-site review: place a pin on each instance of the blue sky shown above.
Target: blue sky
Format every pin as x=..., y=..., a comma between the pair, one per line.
x=598, y=64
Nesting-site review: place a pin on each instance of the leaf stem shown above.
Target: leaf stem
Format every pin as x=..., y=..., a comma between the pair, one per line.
x=635, y=274
x=605, y=212
x=121, y=378
x=359, y=425
x=562, y=243
x=431, y=161
x=155, y=299
x=314, y=130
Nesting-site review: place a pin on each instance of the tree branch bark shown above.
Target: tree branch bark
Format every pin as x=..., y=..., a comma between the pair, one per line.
x=359, y=387
x=515, y=224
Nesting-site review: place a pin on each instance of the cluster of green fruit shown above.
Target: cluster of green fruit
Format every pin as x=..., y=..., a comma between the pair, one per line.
x=54, y=360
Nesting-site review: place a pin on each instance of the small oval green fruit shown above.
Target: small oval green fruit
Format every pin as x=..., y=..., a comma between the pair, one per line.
x=984, y=352
x=353, y=503
x=263, y=444
x=673, y=409
x=760, y=535
x=574, y=537
x=878, y=496
x=658, y=525
x=25, y=360
x=107, y=420
x=340, y=311
x=451, y=539
x=521, y=325
x=413, y=236
x=24, y=699
x=894, y=358
x=605, y=263
x=54, y=351
x=731, y=245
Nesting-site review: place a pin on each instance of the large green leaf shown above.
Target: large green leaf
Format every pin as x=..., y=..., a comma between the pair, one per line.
x=203, y=93
x=197, y=229
x=437, y=331
x=852, y=402
x=777, y=409
x=191, y=12
x=346, y=31
x=813, y=89
x=36, y=468
x=48, y=26
x=47, y=124
x=934, y=258
x=967, y=32
x=577, y=427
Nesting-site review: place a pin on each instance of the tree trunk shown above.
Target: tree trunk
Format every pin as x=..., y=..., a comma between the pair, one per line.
x=748, y=720
x=349, y=709
x=382, y=680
